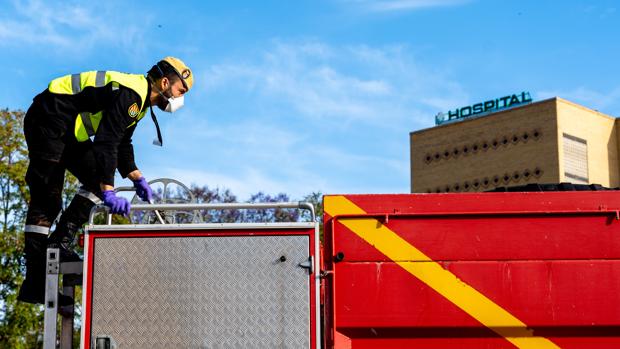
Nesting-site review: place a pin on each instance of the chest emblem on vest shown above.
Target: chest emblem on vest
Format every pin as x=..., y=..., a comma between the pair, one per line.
x=133, y=110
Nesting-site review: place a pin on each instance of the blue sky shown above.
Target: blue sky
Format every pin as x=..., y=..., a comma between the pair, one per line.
x=303, y=96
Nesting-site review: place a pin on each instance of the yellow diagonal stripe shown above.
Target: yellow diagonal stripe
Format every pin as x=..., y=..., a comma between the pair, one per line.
x=431, y=273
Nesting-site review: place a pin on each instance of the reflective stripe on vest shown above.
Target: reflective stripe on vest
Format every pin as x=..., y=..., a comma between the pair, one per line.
x=87, y=123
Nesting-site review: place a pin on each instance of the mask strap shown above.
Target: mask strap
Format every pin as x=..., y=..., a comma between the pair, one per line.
x=159, y=140
x=160, y=70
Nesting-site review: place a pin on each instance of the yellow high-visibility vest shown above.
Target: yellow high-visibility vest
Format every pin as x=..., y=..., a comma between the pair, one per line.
x=86, y=124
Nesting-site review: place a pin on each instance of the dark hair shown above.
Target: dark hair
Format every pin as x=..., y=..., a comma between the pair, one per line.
x=163, y=69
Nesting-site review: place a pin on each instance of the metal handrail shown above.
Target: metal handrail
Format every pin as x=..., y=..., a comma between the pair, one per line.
x=209, y=206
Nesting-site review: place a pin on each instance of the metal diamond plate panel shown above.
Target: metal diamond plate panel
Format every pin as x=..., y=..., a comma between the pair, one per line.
x=202, y=292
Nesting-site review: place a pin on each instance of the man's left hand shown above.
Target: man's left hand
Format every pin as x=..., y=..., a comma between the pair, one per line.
x=143, y=189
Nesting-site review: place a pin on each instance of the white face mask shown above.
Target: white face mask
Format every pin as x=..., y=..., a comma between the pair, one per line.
x=175, y=104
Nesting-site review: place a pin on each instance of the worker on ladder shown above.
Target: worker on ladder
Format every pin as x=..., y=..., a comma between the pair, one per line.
x=84, y=123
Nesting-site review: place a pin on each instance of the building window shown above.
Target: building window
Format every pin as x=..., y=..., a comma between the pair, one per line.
x=575, y=159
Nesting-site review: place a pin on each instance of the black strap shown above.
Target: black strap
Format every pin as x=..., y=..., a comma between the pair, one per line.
x=159, y=140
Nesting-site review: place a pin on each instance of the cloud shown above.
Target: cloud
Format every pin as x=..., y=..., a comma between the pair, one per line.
x=316, y=90
x=253, y=156
x=340, y=85
x=403, y=5
x=609, y=101
x=246, y=157
x=303, y=116
x=69, y=26
x=295, y=171
x=246, y=183
x=247, y=141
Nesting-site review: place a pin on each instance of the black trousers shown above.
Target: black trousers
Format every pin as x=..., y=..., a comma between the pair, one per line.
x=45, y=179
x=52, y=150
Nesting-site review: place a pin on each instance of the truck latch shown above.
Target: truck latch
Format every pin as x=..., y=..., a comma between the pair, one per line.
x=308, y=264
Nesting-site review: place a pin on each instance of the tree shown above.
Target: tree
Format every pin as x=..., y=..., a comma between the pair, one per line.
x=206, y=195
x=21, y=324
x=271, y=215
x=316, y=199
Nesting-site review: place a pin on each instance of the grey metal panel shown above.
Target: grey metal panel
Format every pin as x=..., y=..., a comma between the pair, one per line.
x=202, y=292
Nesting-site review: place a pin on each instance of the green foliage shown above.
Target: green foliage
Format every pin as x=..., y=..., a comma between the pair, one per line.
x=270, y=215
x=21, y=324
x=316, y=199
x=205, y=195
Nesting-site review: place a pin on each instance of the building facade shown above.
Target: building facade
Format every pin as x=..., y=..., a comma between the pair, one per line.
x=550, y=141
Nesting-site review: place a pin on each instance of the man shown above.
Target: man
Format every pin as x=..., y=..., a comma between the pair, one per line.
x=84, y=123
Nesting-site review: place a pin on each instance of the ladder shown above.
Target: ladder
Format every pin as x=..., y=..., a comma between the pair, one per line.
x=71, y=276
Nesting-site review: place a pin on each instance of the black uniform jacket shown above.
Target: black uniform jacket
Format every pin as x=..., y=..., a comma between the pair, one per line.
x=55, y=114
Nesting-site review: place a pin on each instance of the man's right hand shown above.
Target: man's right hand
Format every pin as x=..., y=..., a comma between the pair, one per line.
x=118, y=205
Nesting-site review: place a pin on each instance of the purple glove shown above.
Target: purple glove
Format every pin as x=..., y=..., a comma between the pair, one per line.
x=143, y=190
x=118, y=205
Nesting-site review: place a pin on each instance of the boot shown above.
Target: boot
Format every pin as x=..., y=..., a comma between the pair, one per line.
x=63, y=238
x=33, y=287
x=66, y=305
x=67, y=227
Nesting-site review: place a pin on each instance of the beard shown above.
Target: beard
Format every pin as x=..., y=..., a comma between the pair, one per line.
x=162, y=102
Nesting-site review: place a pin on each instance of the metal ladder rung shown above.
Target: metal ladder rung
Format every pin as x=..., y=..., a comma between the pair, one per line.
x=71, y=268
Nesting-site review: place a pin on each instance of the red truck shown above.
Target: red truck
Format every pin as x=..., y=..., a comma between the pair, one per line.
x=479, y=270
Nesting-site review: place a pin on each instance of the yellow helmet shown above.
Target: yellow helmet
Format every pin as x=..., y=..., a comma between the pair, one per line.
x=182, y=70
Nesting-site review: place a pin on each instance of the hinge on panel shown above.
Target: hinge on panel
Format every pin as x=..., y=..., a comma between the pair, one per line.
x=308, y=264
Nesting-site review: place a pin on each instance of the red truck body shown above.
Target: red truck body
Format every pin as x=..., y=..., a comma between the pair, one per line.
x=483, y=270
x=486, y=270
